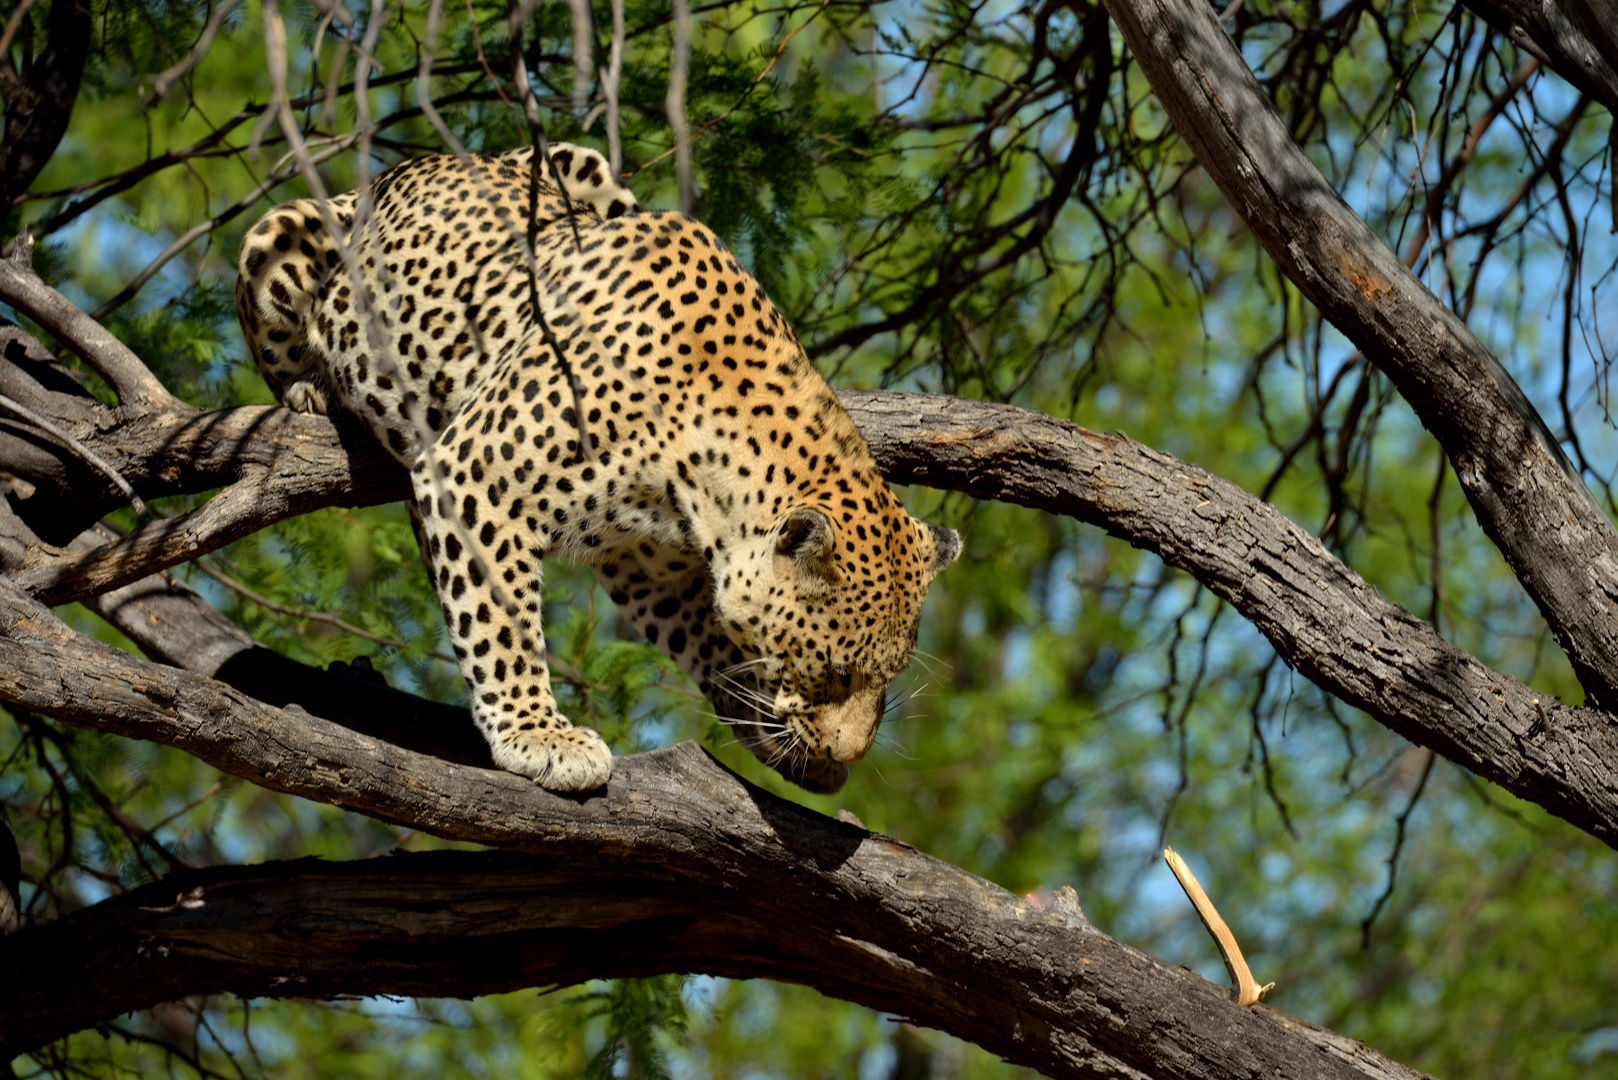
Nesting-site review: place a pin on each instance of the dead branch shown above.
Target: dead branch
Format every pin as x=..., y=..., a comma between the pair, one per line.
x=129, y=378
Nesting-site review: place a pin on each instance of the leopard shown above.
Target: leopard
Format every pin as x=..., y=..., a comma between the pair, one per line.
x=566, y=374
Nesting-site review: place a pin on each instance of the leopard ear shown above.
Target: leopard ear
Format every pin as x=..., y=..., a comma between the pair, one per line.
x=807, y=537
x=945, y=545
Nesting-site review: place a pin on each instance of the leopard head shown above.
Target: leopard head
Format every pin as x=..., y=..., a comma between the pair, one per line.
x=826, y=607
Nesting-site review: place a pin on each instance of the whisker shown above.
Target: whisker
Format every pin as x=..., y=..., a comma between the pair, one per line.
x=756, y=705
x=895, y=746
x=894, y=710
x=731, y=721
x=743, y=666
x=763, y=708
x=785, y=752
x=740, y=688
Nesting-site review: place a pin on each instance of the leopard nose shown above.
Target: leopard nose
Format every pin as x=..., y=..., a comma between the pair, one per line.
x=847, y=745
x=852, y=729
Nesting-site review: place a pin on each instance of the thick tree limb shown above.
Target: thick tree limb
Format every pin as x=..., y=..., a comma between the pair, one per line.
x=678, y=865
x=1526, y=494
x=1577, y=39
x=240, y=510
x=1322, y=618
x=273, y=464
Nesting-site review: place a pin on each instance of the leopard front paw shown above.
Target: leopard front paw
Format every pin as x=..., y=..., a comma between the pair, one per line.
x=304, y=397
x=562, y=758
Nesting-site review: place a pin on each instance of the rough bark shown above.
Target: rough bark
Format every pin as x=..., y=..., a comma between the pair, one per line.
x=677, y=865
x=274, y=465
x=1577, y=39
x=1525, y=492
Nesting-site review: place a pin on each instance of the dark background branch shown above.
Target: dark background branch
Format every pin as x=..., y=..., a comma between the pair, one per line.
x=39, y=97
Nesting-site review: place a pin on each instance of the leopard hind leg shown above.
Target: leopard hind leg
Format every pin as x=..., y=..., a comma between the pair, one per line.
x=284, y=263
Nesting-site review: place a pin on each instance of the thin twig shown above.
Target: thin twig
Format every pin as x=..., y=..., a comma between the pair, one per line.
x=424, y=90
x=615, y=70
x=582, y=59
x=202, y=228
x=13, y=23
x=560, y=668
x=679, y=69
x=90, y=456
x=165, y=81
x=1401, y=827
x=542, y=159
x=688, y=140
x=329, y=619
x=477, y=43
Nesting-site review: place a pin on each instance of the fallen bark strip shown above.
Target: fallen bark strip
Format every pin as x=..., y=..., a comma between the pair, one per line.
x=678, y=865
x=1526, y=494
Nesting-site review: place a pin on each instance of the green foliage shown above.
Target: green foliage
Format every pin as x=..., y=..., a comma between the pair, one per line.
x=192, y=339
x=641, y=1017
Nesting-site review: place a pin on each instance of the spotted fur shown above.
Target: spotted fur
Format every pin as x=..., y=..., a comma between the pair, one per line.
x=724, y=498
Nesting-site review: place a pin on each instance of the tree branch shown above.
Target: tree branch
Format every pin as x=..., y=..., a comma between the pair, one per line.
x=677, y=865
x=129, y=378
x=1525, y=492
x=1577, y=39
x=1323, y=619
